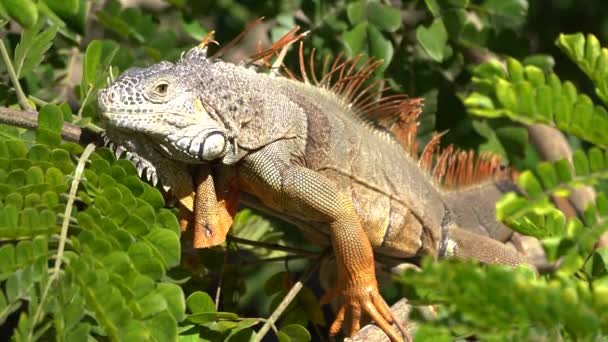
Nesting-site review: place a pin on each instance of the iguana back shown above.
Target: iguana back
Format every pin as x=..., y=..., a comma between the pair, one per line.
x=397, y=202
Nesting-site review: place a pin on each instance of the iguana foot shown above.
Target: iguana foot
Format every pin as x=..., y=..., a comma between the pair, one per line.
x=355, y=300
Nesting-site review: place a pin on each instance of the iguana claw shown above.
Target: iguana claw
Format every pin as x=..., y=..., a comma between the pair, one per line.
x=356, y=300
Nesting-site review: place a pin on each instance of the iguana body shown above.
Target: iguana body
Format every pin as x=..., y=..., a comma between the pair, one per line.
x=304, y=153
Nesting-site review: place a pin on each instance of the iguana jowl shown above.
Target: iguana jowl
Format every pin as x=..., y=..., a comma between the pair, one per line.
x=307, y=152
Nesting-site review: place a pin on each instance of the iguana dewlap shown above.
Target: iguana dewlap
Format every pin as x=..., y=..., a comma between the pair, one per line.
x=322, y=151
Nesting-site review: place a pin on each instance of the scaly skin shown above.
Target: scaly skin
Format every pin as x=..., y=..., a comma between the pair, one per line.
x=303, y=153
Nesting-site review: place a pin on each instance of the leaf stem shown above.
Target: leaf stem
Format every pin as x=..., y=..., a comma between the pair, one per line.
x=85, y=101
x=64, y=234
x=272, y=246
x=21, y=98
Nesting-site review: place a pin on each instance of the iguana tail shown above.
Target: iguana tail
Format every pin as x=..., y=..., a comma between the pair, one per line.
x=473, y=208
x=463, y=244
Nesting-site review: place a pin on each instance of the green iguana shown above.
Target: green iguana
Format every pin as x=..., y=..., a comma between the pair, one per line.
x=325, y=153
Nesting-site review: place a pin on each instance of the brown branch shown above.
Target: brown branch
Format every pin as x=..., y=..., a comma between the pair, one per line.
x=29, y=120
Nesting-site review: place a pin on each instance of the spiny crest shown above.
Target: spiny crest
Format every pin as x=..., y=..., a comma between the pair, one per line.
x=397, y=113
x=450, y=166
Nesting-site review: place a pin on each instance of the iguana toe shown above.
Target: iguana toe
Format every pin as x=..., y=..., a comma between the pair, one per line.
x=363, y=299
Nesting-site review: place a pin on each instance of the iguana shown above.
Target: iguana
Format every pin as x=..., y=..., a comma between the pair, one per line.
x=327, y=153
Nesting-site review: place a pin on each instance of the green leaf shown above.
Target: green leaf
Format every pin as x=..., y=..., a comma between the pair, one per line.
x=356, y=11
x=430, y=333
x=24, y=12
x=492, y=143
x=367, y=39
x=174, y=296
x=199, y=302
x=433, y=6
x=541, y=61
x=32, y=46
x=34, y=175
x=193, y=28
x=166, y=245
x=433, y=39
x=562, y=167
x=383, y=17
x=97, y=59
x=581, y=164
x=51, y=118
x=380, y=47
x=506, y=95
x=296, y=333
x=162, y=326
x=241, y=335
x=354, y=40
x=151, y=304
x=145, y=261
x=64, y=7
x=590, y=57
x=509, y=14
x=153, y=197
x=98, y=54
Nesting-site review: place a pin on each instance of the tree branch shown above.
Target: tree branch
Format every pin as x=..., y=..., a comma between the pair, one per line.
x=29, y=120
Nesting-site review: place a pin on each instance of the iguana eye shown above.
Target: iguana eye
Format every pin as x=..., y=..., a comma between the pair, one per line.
x=161, y=88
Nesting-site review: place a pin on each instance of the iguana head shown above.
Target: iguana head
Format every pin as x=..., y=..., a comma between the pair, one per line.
x=163, y=104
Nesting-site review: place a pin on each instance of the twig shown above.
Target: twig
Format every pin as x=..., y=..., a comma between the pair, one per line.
x=272, y=246
x=275, y=259
x=293, y=292
x=64, y=234
x=23, y=103
x=218, y=292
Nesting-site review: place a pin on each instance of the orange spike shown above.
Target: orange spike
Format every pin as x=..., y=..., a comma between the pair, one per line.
x=287, y=39
x=208, y=39
x=426, y=158
x=325, y=65
x=369, y=98
x=290, y=74
x=302, y=64
x=364, y=73
x=327, y=76
x=311, y=62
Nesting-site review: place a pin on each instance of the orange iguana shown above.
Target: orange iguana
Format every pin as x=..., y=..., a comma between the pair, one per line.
x=324, y=152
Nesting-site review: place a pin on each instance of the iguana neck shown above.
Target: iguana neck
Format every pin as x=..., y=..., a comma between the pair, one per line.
x=252, y=108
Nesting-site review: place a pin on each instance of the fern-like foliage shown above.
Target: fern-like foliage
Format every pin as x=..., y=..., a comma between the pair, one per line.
x=496, y=303
x=113, y=282
x=590, y=57
x=525, y=93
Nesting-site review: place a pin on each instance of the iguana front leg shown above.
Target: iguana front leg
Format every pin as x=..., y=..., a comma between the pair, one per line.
x=310, y=196
x=206, y=210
